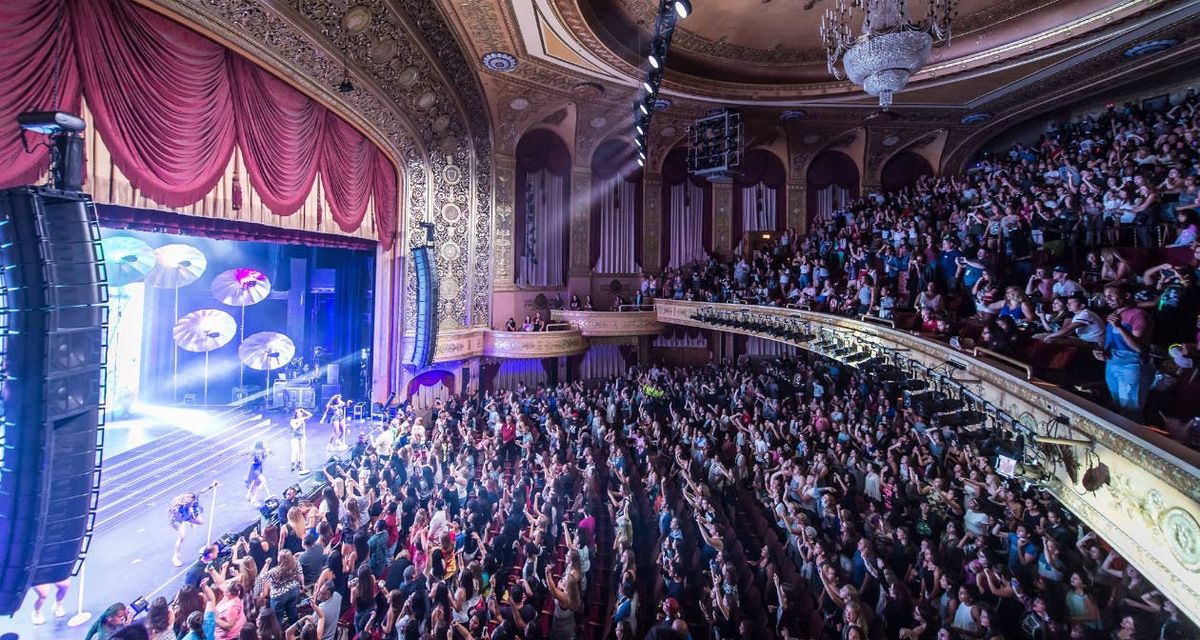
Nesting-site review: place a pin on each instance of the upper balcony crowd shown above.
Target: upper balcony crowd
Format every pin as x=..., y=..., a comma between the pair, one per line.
x=1077, y=254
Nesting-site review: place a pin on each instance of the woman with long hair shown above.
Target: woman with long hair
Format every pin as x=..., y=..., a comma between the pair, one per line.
x=331, y=507
x=362, y=592
x=113, y=618
x=283, y=584
x=256, y=479
x=160, y=620
x=231, y=612
x=299, y=425
x=292, y=532
x=268, y=625
x=188, y=599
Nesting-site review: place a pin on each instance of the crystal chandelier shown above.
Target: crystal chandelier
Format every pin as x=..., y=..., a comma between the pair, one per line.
x=892, y=46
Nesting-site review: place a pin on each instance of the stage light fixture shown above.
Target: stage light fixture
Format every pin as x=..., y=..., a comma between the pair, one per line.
x=647, y=86
x=683, y=8
x=641, y=162
x=639, y=129
x=642, y=107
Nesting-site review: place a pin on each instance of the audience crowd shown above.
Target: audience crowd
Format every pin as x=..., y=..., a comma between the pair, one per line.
x=1086, y=240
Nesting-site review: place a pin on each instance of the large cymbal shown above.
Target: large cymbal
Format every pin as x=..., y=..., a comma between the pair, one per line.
x=241, y=287
x=266, y=350
x=127, y=260
x=204, y=330
x=177, y=265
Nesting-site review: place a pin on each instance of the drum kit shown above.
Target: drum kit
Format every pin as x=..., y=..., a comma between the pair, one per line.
x=129, y=260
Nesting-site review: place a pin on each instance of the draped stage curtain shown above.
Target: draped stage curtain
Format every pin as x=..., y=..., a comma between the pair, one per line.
x=617, y=203
x=681, y=337
x=830, y=199
x=830, y=169
x=616, y=207
x=542, y=221
x=527, y=370
x=768, y=348
x=687, y=201
x=602, y=361
x=759, y=202
x=543, y=262
x=174, y=111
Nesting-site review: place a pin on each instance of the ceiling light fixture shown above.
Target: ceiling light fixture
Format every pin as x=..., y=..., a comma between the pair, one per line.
x=669, y=11
x=683, y=8
x=892, y=46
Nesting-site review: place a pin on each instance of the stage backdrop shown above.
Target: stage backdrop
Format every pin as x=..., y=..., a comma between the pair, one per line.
x=320, y=297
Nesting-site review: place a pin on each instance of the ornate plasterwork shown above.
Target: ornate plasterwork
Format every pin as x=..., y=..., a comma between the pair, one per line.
x=722, y=194
x=581, y=227
x=651, y=221
x=415, y=92
x=1153, y=497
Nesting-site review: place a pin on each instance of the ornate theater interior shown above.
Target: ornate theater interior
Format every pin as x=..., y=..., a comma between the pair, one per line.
x=781, y=319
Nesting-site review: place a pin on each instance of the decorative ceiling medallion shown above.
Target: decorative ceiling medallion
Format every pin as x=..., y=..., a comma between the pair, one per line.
x=499, y=61
x=588, y=89
x=598, y=122
x=440, y=123
x=662, y=104
x=448, y=288
x=451, y=213
x=668, y=131
x=1150, y=46
x=890, y=141
x=792, y=114
x=811, y=138
x=448, y=144
x=383, y=51
x=449, y=251
x=976, y=118
x=451, y=175
x=426, y=100
x=356, y=18
x=518, y=104
x=409, y=76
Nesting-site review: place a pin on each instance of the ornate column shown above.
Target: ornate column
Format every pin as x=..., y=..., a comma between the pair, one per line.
x=581, y=221
x=797, y=199
x=504, y=278
x=722, y=194
x=651, y=222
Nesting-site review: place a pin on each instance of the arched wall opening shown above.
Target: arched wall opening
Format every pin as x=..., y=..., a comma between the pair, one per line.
x=902, y=171
x=542, y=216
x=833, y=181
x=760, y=194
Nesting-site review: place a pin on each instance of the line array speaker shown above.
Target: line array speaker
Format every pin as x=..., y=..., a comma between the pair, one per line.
x=53, y=319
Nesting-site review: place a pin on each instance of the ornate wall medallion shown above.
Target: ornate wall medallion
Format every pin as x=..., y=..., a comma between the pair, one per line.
x=1183, y=537
x=499, y=61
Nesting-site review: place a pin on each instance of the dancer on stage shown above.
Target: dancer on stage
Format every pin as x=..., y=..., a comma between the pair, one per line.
x=185, y=513
x=43, y=594
x=256, y=479
x=299, y=425
x=337, y=406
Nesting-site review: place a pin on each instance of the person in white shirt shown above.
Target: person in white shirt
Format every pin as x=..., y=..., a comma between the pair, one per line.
x=1064, y=286
x=1087, y=325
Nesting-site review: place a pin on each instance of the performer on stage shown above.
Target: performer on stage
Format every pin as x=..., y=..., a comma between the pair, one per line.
x=184, y=513
x=337, y=406
x=299, y=425
x=256, y=480
x=43, y=594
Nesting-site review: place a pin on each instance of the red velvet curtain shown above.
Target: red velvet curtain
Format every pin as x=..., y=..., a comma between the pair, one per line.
x=171, y=106
x=31, y=45
x=281, y=136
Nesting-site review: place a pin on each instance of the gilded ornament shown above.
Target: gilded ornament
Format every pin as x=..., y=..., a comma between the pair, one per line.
x=1183, y=537
x=356, y=19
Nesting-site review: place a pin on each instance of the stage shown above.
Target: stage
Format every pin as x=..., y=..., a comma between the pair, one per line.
x=149, y=459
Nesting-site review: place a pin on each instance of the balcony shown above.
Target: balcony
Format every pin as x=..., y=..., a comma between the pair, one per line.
x=637, y=321
x=1150, y=506
x=509, y=344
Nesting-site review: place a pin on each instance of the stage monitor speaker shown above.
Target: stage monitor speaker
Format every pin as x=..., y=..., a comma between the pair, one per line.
x=333, y=373
x=53, y=317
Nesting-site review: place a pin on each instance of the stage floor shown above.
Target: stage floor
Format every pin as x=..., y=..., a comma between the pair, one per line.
x=147, y=462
